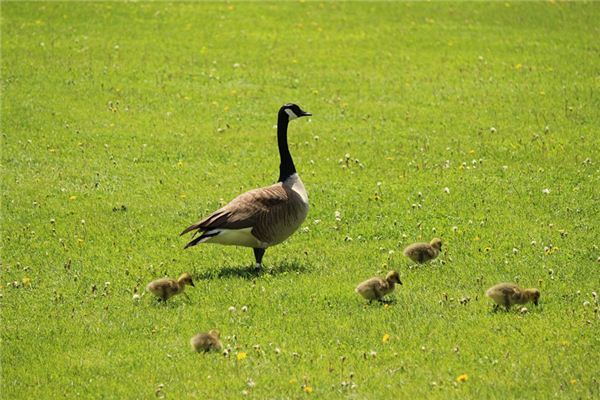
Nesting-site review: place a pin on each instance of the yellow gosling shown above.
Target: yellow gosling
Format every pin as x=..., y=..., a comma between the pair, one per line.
x=166, y=288
x=507, y=294
x=423, y=252
x=376, y=288
x=205, y=342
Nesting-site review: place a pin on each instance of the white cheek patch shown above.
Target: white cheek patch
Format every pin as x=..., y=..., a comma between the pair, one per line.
x=291, y=114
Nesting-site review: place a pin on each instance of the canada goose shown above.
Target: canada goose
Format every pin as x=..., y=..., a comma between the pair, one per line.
x=423, y=252
x=376, y=288
x=206, y=341
x=166, y=287
x=262, y=217
x=507, y=294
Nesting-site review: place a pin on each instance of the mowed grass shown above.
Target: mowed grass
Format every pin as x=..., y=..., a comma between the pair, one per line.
x=123, y=123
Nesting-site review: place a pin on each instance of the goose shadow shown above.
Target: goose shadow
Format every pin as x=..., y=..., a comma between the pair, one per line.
x=251, y=272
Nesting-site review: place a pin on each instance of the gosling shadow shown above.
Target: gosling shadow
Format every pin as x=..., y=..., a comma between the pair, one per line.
x=251, y=272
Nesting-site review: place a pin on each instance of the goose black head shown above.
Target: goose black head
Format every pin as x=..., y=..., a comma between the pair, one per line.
x=293, y=111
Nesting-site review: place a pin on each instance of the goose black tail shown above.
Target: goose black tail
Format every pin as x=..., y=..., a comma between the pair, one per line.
x=201, y=238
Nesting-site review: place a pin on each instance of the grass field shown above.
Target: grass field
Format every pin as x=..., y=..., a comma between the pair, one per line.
x=122, y=123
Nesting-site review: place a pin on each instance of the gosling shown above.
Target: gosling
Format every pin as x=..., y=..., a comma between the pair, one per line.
x=376, y=288
x=166, y=288
x=507, y=294
x=423, y=252
x=205, y=342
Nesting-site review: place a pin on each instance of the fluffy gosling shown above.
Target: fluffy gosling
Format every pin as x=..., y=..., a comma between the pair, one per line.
x=507, y=294
x=205, y=342
x=376, y=288
x=166, y=287
x=423, y=252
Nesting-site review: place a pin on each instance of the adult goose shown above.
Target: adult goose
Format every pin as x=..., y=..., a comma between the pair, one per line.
x=262, y=217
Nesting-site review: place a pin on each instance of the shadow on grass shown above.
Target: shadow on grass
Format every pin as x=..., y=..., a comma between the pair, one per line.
x=250, y=272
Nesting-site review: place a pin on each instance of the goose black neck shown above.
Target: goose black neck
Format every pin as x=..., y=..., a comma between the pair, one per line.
x=286, y=166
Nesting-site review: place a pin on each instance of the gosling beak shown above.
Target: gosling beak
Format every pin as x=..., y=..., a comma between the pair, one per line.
x=399, y=281
x=192, y=284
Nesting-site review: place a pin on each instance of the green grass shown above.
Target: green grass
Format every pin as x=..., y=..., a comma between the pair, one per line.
x=124, y=123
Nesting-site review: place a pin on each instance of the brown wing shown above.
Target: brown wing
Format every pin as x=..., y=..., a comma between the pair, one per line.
x=510, y=291
x=244, y=211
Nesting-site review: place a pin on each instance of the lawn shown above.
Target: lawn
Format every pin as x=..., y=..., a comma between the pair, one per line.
x=123, y=123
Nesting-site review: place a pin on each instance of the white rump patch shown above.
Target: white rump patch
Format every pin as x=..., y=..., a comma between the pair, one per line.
x=291, y=114
x=234, y=237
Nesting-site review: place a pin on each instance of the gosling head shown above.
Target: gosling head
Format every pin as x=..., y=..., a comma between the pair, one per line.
x=214, y=333
x=293, y=111
x=186, y=279
x=535, y=296
x=393, y=276
x=436, y=243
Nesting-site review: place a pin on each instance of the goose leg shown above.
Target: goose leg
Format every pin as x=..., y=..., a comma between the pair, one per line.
x=507, y=304
x=258, y=255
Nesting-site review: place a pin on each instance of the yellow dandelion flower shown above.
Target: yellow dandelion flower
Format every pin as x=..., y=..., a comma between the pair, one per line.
x=462, y=378
x=71, y=198
x=386, y=338
x=80, y=241
x=241, y=356
x=26, y=281
x=386, y=306
x=471, y=151
x=518, y=66
x=308, y=389
x=573, y=381
x=183, y=196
